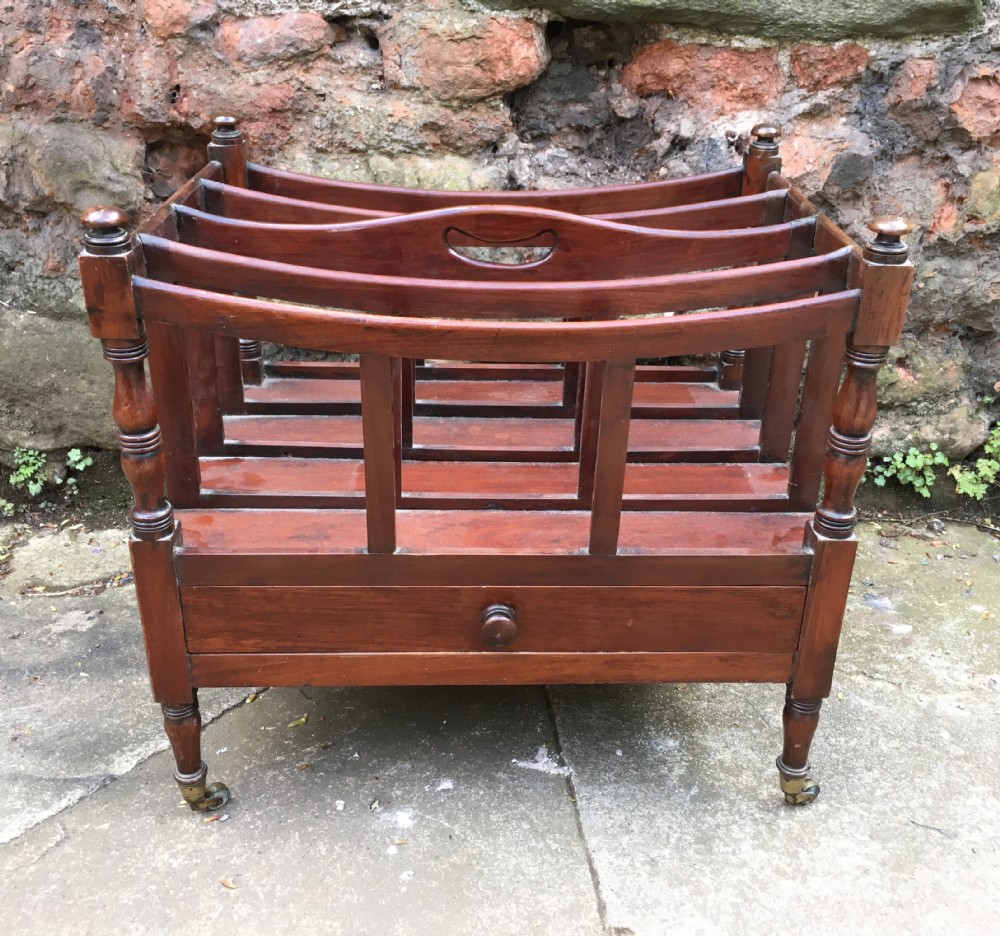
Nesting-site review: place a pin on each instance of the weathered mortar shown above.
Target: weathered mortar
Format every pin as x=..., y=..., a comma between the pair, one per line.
x=110, y=101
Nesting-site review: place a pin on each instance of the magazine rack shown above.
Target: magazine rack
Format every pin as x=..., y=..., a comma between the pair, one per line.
x=522, y=477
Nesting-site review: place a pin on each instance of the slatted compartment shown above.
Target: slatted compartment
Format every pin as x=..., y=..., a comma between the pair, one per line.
x=501, y=436
x=548, y=437
x=515, y=434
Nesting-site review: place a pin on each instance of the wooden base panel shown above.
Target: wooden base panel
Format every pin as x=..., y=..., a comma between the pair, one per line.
x=344, y=619
x=470, y=669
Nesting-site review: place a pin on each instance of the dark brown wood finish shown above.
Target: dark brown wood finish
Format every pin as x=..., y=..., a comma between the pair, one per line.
x=225, y=273
x=499, y=490
x=422, y=244
x=334, y=330
x=245, y=205
x=613, y=198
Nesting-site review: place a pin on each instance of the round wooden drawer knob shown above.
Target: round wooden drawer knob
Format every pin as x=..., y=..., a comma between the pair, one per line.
x=499, y=626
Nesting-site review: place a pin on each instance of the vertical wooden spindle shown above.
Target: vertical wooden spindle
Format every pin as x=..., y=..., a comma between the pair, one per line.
x=202, y=362
x=408, y=401
x=228, y=147
x=139, y=439
x=819, y=390
x=229, y=375
x=398, y=393
x=571, y=382
x=756, y=368
x=106, y=266
x=578, y=405
x=884, y=277
x=760, y=160
x=168, y=373
x=730, y=370
x=590, y=421
x=856, y=407
x=612, y=455
x=778, y=418
x=251, y=361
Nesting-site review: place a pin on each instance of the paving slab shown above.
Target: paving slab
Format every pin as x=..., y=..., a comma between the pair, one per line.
x=678, y=796
x=448, y=810
x=75, y=705
x=391, y=811
x=61, y=560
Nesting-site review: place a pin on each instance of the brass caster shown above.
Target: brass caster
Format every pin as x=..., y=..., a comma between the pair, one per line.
x=799, y=791
x=205, y=798
x=216, y=796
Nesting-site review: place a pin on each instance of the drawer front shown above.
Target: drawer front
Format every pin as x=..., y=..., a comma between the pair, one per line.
x=222, y=619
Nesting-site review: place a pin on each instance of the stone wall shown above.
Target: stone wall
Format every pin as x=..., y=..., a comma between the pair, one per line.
x=109, y=101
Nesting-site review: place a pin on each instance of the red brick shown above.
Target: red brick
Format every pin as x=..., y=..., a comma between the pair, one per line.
x=176, y=17
x=912, y=81
x=716, y=78
x=817, y=67
x=978, y=106
x=467, y=57
x=269, y=38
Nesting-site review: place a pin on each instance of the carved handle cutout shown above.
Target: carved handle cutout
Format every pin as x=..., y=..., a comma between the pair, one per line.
x=527, y=251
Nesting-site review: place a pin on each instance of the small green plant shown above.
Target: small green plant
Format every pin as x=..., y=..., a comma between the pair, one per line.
x=912, y=468
x=29, y=471
x=976, y=480
x=76, y=460
x=6, y=508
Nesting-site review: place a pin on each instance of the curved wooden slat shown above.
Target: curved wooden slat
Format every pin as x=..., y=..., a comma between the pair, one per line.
x=422, y=244
x=334, y=330
x=713, y=185
x=242, y=204
x=392, y=295
x=719, y=215
x=231, y=201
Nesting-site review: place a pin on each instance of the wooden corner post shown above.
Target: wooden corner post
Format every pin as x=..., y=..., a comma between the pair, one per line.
x=228, y=147
x=107, y=263
x=760, y=160
x=885, y=276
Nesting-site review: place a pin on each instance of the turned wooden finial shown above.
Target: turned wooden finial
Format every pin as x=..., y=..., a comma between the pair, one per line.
x=765, y=137
x=105, y=230
x=887, y=246
x=761, y=158
x=226, y=130
x=228, y=147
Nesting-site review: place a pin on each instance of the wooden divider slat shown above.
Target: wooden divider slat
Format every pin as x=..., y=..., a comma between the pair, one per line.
x=378, y=427
x=612, y=451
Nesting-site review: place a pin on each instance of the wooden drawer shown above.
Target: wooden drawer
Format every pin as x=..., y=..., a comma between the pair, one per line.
x=380, y=619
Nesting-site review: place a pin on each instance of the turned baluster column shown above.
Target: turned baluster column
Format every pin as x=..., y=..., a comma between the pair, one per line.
x=106, y=268
x=884, y=277
x=856, y=407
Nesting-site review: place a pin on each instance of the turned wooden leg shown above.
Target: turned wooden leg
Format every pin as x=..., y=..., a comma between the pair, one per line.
x=183, y=726
x=799, y=721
